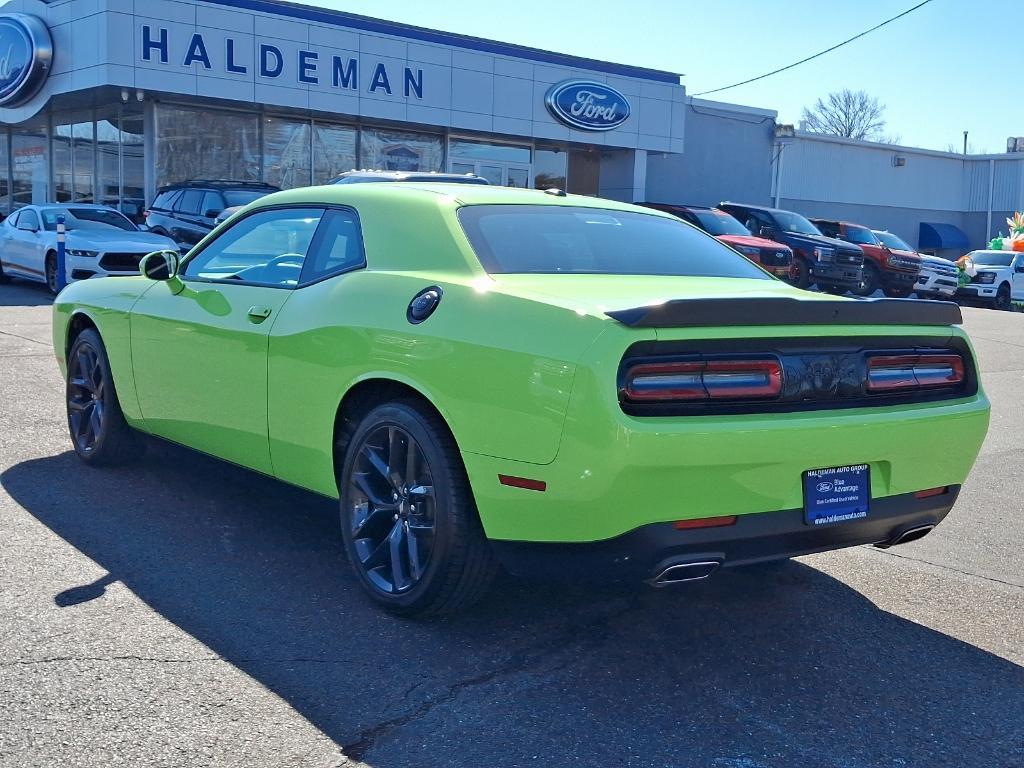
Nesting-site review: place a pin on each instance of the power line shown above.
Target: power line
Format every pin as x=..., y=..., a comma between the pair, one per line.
x=816, y=55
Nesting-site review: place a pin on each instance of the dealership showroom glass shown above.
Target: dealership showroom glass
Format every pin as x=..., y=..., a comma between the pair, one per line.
x=294, y=95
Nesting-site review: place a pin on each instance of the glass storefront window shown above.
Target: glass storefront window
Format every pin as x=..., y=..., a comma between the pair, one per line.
x=73, y=158
x=120, y=173
x=5, y=180
x=133, y=166
x=286, y=152
x=30, y=158
x=584, y=172
x=400, y=151
x=549, y=168
x=465, y=149
x=334, y=151
x=193, y=144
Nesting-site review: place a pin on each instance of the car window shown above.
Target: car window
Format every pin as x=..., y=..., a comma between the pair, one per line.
x=859, y=235
x=267, y=248
x=237, y=197
x=28, y=219
x=87, y=218
x=756, y=220
x=13, y=219
x=189, y=201
x=338, y=247
x=212, y=201
x=546, y=239
x=165, y=200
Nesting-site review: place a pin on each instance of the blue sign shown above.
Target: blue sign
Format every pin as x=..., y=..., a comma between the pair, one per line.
x=26, y=53
x=836, y=495
x=587, y=106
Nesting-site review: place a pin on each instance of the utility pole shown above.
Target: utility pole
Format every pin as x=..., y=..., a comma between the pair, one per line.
x=965, y=142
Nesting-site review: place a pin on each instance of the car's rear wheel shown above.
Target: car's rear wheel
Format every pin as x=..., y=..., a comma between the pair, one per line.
x=897, y=293
x=99, y=432
x=4, y=278
x=800, y=274
x=408, y=519
x=50, y=267
x=1002, y=301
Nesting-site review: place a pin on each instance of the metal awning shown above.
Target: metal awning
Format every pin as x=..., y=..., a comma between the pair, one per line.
x=938, y=237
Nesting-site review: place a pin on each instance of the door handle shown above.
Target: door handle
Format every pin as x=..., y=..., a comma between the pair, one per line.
x=258, y=314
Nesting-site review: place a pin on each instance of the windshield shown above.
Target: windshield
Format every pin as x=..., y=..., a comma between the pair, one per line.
x=892, y=241
x=794, y=222
x=861, y=236
x=719, y=223
x=548, y=239
x=87, y=218
x=992, y=258
x=235, y=197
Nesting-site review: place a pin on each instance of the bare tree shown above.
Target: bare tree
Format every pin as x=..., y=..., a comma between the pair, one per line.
x=850, y=114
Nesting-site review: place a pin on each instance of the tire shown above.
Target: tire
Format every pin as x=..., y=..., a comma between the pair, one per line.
x=897, y=293
x=1002, y=301
x=50, y=270
x=386, y=536
x=835, y=290
x=99, y=433
x=801, y=273
x=871, y=282
x=4, y=278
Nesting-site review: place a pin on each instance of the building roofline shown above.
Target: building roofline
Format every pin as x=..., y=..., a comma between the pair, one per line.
x=725, y=106
x=422, y=34
x=826, y=138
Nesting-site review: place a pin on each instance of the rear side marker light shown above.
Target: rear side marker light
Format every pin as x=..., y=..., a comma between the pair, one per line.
x=889, y=373
x=704, y=380
x=928, y=493
x=522, y=482
x=704, y=522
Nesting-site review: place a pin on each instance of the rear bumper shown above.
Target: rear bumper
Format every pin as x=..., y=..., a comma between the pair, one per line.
x=643, y=553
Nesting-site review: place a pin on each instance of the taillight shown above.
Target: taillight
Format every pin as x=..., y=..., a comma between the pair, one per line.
x=719, y=380
x=890, y=373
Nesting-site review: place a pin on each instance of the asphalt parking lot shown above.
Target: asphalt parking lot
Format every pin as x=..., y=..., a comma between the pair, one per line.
x=185, y=612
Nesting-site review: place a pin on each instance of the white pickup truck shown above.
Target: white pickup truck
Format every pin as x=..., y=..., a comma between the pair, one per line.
x=999, y=280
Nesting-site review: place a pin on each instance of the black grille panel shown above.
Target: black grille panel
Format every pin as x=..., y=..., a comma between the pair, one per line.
x=121, y=262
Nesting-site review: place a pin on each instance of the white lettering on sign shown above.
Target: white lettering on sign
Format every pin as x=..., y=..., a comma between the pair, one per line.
x=586, y=106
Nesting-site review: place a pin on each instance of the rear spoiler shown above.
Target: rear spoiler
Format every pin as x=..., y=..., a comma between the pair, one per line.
x=699, y=313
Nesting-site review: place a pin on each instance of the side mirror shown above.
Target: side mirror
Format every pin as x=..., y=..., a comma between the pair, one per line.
x=159, y=265
x=213, y=213
x=765, y=232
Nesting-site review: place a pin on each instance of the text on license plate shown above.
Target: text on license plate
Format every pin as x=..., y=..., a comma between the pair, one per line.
x=836, y=494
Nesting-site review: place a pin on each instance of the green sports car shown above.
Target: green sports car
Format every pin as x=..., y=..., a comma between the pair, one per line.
x=563, y=385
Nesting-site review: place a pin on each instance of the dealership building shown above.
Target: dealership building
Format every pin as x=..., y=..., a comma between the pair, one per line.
x=109, y=100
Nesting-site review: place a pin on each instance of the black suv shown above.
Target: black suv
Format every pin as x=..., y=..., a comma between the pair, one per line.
x=834, y=265
x=186, y=212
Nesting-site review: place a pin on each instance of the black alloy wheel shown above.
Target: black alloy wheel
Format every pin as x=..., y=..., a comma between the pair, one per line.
x=800, y=275
x=51, y=273
x=99, y=433
x=871, y=281
x=410, y=527
x=1002, y=301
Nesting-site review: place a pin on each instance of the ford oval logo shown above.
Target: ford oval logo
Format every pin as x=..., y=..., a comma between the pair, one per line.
x=587, y=106
x=824, y=487
x=26, y=52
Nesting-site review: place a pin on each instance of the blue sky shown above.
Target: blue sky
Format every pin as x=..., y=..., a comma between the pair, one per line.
x=946, y=68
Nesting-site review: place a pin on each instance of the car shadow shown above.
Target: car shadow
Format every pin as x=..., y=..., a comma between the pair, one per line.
x=20, y=293
x=755, y=668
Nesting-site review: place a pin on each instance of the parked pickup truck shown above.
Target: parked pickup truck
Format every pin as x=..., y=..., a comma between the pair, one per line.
x=939, y=277
x=834, y=265
x=774, y=257
x=894, y=273
x=999, y=280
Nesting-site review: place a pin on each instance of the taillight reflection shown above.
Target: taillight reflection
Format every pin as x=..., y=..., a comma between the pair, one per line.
x=890, y=373
x=690, y=381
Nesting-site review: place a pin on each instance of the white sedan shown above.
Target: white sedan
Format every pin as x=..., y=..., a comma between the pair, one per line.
x=100, y=241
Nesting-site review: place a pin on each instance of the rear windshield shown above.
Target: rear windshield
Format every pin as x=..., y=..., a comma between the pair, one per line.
x=547, y=239
x=719, y=223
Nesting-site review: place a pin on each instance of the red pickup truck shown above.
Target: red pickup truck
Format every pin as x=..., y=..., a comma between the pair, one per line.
x=774, y=257
x=896, y=273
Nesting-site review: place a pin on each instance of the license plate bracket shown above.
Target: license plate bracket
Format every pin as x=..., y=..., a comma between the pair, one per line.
x=836, y=494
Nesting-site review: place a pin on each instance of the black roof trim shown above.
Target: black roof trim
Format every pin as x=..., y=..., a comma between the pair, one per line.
x=701, y=313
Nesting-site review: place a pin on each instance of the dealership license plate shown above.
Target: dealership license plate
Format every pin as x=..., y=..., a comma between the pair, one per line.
x=836, y=494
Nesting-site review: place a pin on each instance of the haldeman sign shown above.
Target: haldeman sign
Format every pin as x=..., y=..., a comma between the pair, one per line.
x=306, y=68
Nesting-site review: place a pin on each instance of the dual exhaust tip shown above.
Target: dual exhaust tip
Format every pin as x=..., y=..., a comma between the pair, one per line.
x=669, y=574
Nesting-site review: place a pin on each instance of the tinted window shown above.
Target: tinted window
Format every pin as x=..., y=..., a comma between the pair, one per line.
x=267, y=248
x=562, y=239
x=893, y=241
x=13, y=219
x=28, y=219
x=794, y=222
x=190, y=201
x=235, y=197
x=338, y=248
x=165, y=200
x=212, y=201
x=718, y=223
x=828, y=228
x=86, y=218
x=861, y=236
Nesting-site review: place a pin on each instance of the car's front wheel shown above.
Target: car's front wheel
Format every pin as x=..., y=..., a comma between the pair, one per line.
x=800, y=273
x=870, y=282
x=1003, y=301
x=408, y=518
x=99, y=432
x=50, y=266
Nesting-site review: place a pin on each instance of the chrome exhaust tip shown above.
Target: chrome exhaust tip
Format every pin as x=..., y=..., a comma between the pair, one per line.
x=909, y=535
x=680, y=573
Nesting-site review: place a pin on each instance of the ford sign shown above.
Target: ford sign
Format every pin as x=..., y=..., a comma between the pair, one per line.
x=587, y=106
x=26, y=53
